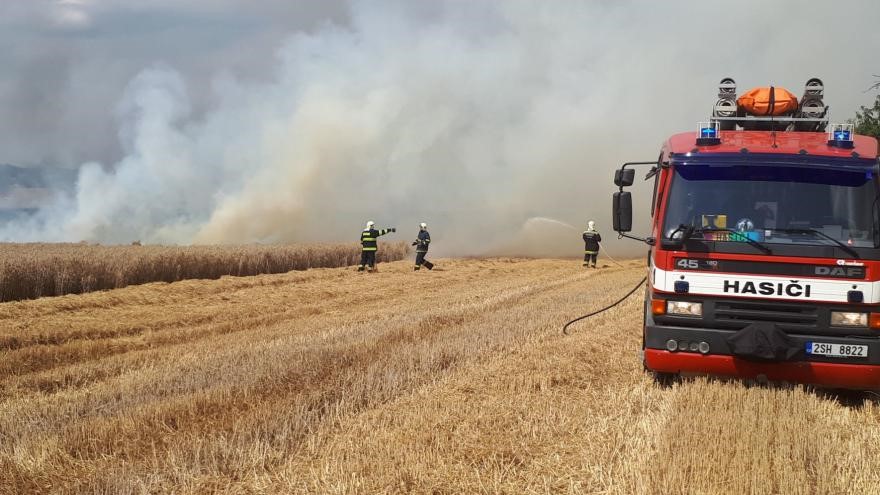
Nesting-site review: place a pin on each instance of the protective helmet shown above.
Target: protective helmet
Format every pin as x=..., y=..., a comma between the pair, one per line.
x=370, y=224
x=591, y=225
x=423, y=226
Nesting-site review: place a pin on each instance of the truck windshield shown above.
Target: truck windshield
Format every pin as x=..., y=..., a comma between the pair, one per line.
x=773, y=204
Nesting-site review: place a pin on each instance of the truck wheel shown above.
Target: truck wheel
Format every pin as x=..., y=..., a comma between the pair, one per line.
x=664, y=380
x=849, y=398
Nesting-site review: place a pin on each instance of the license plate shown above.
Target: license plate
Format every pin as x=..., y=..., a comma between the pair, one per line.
x=837, y=350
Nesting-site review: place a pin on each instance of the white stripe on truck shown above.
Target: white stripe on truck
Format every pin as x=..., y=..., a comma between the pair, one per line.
x=765, y=287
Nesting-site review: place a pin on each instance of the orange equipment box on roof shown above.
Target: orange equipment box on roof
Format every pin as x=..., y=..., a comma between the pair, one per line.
x=768, y=101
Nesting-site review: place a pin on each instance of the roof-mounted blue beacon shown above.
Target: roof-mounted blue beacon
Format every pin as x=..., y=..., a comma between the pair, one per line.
x=840, y=136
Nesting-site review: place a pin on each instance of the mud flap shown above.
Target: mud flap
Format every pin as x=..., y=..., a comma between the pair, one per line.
x=763, y=341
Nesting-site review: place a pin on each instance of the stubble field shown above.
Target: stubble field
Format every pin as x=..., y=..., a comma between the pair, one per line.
x=451, y=381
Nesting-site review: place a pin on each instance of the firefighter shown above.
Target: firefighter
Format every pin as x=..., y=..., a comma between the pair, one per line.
x=421, y=243
x=591, y=244
x=369, y=246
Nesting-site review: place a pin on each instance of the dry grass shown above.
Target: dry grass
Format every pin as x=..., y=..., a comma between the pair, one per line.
x=30, y=271
x=454, y=381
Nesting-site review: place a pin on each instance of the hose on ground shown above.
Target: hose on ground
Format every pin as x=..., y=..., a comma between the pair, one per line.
x=602, y=248
x=606, y=308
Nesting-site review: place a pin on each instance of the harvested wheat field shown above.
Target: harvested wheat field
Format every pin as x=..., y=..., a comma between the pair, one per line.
x=451, y=381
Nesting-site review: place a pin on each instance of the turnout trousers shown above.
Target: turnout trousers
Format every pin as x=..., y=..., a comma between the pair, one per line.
x=590, y=257
x=368, y=259
x=420, y=260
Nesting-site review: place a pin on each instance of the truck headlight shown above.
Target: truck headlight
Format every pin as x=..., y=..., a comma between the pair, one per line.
x=684, y=308
x=847, y=319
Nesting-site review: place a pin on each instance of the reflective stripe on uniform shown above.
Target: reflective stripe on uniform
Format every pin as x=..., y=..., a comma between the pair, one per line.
x=591, y=252
x=368, y=238
x=369, y=249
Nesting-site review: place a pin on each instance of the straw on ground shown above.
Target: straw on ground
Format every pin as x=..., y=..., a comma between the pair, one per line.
x=453, y=381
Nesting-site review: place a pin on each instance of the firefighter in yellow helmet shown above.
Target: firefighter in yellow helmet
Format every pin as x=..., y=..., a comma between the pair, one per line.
x=369, y=246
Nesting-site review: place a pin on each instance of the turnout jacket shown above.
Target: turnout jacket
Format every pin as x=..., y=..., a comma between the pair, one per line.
x=423, y=241
x=369, y=236
x=591, y=241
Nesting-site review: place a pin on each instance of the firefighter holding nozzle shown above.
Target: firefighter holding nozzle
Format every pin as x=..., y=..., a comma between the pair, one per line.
x=421, y=243
x=591, y=244
x=369, y=246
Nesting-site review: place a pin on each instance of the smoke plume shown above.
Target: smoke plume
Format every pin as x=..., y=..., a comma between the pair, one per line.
x=472, y=116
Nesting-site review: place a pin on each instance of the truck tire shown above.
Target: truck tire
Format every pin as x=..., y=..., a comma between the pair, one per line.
x=663, y=379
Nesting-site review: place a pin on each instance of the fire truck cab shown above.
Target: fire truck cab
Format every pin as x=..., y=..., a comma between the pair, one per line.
x=764, y=249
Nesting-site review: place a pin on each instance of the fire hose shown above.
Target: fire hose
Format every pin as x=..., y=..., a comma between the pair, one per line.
x=606, y=308
x=601, y=248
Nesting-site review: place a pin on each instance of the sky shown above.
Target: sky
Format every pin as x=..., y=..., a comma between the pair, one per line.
x=227, y=121
x=67, y=63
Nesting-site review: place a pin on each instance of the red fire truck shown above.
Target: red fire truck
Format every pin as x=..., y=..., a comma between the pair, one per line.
x=764, y=250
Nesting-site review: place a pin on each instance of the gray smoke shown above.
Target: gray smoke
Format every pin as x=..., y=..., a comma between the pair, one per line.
x=472, y=116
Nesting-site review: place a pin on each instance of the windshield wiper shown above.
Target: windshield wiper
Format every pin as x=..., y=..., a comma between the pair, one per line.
x=819, y=233
x=742, y=236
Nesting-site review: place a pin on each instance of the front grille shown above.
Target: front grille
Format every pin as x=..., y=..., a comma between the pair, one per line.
x=801, y=318
x=789, y=316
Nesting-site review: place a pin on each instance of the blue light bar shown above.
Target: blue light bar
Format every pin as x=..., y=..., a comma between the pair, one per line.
x=842, y=135
x=708, y=134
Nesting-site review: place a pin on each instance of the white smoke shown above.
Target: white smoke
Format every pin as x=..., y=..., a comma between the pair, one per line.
x=71, y=14
x=472, y=116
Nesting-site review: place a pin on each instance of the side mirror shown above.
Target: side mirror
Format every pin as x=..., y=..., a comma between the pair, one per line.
x=621, y=209
x=624, y=177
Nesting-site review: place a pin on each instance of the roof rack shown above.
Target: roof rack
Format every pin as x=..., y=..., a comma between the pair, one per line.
x=810, y=116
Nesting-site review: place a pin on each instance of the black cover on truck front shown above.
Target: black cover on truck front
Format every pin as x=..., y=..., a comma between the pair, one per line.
x=763, y=341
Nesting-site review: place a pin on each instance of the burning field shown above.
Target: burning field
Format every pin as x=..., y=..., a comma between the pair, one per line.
x=451, y=381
